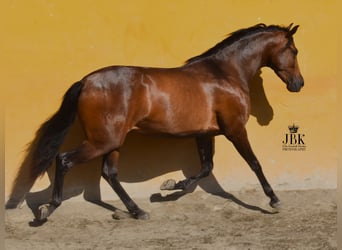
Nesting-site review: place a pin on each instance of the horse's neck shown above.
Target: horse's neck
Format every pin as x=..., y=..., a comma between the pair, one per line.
x=245, y=57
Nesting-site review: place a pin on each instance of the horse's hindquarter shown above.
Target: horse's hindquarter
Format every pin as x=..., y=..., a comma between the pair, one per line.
x=104, y=103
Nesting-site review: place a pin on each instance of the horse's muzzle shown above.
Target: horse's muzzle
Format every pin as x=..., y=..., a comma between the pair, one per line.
x=296, y=84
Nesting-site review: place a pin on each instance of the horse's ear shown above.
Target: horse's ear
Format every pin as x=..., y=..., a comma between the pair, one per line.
x=289, y=27
x=292, y=31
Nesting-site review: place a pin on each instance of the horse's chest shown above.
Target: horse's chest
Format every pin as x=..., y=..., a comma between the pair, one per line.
x=234, y=104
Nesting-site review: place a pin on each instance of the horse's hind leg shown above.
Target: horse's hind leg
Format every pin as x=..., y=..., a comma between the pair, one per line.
x=205, y=147
x=241, y=143
x=109, y=173
x=64, y=162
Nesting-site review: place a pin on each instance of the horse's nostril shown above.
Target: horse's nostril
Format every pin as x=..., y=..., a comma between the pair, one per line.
x=301, y=80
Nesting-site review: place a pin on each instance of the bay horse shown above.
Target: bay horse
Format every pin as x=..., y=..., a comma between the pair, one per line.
x=205, y=97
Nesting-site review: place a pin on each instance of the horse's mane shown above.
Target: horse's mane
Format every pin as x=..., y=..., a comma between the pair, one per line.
x=236, y=36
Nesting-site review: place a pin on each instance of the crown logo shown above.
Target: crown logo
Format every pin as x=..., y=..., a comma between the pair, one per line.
x=293, y=128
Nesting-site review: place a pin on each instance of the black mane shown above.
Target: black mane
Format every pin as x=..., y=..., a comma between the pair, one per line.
x=236, y=36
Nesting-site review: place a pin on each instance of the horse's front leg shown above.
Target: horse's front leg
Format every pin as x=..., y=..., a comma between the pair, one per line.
x=205, y=146
x=240, y=140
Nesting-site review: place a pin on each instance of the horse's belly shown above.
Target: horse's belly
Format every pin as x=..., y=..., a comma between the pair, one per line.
x=180, y=126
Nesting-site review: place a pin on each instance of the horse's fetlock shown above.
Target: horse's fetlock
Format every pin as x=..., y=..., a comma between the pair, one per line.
x=55, y=204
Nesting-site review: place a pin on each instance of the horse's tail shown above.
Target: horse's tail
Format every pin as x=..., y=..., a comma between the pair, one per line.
x=50, y=135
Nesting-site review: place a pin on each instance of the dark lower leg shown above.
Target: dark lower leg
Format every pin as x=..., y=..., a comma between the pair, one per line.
x=205, y=147
x=62, y=167
x=242, y=144
x=264, y=183
x=109, y=173
x=64, y=162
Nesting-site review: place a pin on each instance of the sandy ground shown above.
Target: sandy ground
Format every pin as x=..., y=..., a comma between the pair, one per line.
x=237, y=220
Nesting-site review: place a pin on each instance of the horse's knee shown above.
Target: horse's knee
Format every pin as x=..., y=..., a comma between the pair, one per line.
x=109, y=173
x=109, y=165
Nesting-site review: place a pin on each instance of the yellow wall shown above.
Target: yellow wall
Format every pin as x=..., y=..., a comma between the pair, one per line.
x=48, y=45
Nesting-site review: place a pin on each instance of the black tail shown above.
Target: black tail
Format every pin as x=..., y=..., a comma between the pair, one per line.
x=51, y=134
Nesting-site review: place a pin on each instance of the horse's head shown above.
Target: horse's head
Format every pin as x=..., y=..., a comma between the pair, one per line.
x=283, y=60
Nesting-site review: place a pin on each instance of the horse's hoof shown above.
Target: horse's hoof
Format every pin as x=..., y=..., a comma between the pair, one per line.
x=43, y=212
x=275, y=204
x=168, y=185
x=142, y=215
